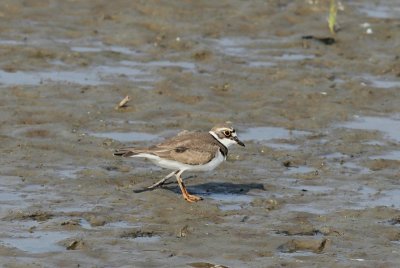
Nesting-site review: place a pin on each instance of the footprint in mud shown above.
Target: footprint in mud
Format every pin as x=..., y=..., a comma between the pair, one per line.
x=141, y=236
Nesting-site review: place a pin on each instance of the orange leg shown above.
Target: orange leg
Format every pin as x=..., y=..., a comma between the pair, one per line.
x=188, y=197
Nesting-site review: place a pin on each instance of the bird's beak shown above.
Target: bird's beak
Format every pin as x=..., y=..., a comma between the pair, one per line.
x=238, y=141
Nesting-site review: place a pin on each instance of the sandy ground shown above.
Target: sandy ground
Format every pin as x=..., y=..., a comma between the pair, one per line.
x=316, y=186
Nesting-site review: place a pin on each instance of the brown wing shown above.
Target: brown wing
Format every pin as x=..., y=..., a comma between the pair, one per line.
x=163, y=148
x=191, y=148
x=190, y=156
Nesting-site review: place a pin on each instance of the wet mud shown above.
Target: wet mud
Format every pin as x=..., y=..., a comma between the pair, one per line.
x=316, y=186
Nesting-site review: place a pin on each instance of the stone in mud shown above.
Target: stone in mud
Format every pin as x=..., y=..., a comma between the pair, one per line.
x=75, y=245
x=136, y=233
x=206, y=265
x=36, y=216
x=97, y=221
x=316, y=246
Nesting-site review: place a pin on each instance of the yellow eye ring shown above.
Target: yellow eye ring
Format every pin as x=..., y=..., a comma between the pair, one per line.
x=227, y=133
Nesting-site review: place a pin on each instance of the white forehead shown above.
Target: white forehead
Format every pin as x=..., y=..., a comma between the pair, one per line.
x=221, y=129
x=225, y=141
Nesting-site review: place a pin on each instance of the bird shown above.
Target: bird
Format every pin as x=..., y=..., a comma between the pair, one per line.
x=187, y=151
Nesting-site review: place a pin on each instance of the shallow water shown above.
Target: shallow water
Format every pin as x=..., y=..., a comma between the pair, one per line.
x=257, y=55
x=131, y=70
x=100, y=47
x=390, y=127
x=228, y=201
x=382, y=82
x=93, y=76
x=379, y=11
x=159, y=64
x=374, y=198
x=392, y=155
x=282, y=146
x=270, y=133
x=126, y=137
x=37, y=242
x=299, y=169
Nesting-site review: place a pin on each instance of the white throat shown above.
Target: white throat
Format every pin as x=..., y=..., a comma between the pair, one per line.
x=226, y=142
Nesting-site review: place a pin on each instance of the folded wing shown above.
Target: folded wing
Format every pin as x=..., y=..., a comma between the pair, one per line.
x=188, y=148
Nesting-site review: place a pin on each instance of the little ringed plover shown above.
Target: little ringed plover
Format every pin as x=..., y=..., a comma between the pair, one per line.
x=188, y=151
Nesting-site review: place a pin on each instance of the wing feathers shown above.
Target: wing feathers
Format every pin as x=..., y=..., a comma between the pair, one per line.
x=191, y=148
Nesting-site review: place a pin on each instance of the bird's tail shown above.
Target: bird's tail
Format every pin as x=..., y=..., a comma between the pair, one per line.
x=127, y=152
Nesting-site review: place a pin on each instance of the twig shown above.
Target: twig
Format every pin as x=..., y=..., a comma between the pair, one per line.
x=123, y=103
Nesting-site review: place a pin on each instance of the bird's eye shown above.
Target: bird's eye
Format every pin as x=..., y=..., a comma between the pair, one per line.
x=227, y=133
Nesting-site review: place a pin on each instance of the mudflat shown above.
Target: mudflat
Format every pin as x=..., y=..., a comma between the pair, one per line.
x=316, y=186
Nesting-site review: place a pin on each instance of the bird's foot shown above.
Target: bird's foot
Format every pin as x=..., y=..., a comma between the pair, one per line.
x=192, y=198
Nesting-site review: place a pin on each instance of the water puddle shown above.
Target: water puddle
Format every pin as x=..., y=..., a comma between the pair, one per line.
x=93, y=46
x=282, y=146
x=355, y=168
x=92, y=76
x=373, y=198
x=232, y=46
x=121, y=225
x=293, y=57
x=11, y=42
x=375, y=143
x=78, y=208
x=308, y=208
x=299, y=170
x=336, y=155
x=7, y=196
x=354, y=197
x=389, y=126
x=147, y=239
x=319, y=207
x=257, y=52
x=361, y=198
x=11, y=199
x=380, y=82
x=37, y=242
x=123, y=71
x=70, y=173
x=313, y=188
x=126, y=136
x=385, y=84
x=9, y=180
x=24, y=195
x=287, y=255
x=228, y=201
x=110, y=225
x=26, y=224
x=270, y=133
x=87, y=49
x=100, y=47
x=341, y=161
x=378, y=10
x=136, y=71
x=257, y=64
x=393, y=155
x=181, y=64
x=85, y=224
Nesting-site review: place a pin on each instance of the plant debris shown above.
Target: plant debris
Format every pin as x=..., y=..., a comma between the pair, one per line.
x=123, y=103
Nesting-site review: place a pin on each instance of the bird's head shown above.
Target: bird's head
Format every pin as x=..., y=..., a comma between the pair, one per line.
x=226, y=135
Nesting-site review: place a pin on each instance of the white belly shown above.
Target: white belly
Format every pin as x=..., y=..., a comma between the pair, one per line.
x=170, y=164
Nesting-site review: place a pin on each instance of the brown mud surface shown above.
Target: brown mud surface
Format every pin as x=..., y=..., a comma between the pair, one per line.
x=316, y=186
